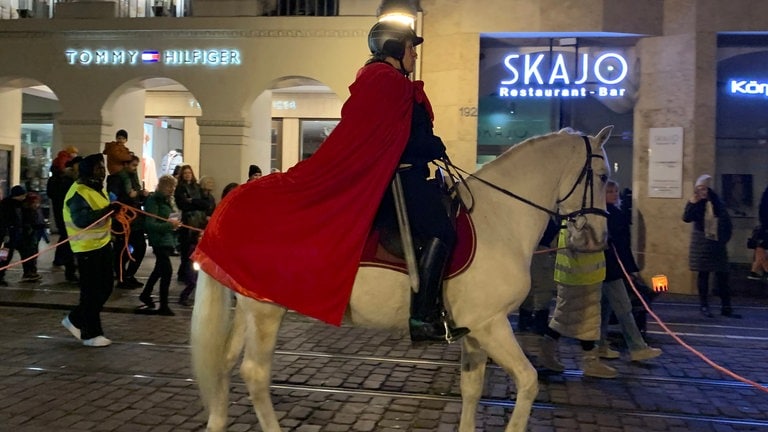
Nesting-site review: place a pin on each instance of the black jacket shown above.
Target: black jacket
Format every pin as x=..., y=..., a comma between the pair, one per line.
x=620, y=240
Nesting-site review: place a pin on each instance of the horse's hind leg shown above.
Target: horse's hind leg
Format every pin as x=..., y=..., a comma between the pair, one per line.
x=496, y=338
x=473, y=361
x=263, y=324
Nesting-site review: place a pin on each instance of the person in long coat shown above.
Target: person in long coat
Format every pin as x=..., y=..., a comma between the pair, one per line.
x=710, y=232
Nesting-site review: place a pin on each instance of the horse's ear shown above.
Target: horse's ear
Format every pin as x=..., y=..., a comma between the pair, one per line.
x=604, y=134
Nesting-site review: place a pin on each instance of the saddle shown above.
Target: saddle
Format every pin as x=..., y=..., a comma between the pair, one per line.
x=383, y=247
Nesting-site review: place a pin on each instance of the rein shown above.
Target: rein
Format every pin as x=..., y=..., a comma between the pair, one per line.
x=586, y=175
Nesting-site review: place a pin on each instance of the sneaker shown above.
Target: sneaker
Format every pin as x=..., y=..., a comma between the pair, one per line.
x=755, y=276
x=71, y=327
x=98, y=341
x=705, y=311
x=607, y=353
x=646, y=353
x=147, y=300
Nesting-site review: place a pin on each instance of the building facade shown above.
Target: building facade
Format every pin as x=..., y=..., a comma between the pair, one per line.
x=231, y=90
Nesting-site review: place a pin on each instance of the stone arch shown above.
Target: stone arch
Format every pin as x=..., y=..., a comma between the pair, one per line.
x=289, y=105
x=28, y=107
x=160, y=115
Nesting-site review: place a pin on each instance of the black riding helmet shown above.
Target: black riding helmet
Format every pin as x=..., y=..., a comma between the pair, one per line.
x=388, y=38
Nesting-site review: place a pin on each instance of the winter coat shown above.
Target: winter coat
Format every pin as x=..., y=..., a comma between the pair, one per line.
x=159, y=231
x=706, y=255
x=620, y=240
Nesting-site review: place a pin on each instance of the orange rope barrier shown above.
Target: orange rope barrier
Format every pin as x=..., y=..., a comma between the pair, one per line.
x=124, y=217
x=679, y=340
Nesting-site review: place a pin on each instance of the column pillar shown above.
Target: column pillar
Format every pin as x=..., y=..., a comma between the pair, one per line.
x=678, y=89
x=224, y=154
x=88, y=134
x=10, y=134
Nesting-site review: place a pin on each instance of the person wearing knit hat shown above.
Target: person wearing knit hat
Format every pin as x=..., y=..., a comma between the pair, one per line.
x=710, y=232
x=254, y=172
x=56, y=188
x=86, y=206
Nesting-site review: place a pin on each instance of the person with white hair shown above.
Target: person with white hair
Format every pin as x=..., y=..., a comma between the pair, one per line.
x=710, y=233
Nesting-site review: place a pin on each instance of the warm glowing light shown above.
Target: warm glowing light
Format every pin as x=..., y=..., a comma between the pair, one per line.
x=398, y=17
x=660, y=283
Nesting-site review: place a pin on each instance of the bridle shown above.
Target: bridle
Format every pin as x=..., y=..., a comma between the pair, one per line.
x=578, y=217
x=587, y=175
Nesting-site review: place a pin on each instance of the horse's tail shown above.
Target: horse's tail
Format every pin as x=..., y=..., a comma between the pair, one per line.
x=216, y=339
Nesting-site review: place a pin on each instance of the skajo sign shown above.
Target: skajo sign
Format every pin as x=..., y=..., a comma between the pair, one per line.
x=171, y=57
x=563, y=75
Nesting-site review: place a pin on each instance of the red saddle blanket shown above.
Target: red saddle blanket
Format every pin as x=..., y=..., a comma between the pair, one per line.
x=374, y=254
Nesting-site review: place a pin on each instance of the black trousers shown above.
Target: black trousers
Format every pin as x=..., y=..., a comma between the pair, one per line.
x=427, y=214
x=162, y=272
x=722, y=285
x=64, y=255
x=95, y=289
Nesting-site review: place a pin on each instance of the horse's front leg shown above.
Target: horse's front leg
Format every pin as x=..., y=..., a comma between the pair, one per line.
x=473, y=361
x=497, y=339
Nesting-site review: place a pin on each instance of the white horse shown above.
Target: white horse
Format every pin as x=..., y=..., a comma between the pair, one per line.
x=560, y=173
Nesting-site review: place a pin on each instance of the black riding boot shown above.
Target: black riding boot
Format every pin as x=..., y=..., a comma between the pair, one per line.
x=426, y=323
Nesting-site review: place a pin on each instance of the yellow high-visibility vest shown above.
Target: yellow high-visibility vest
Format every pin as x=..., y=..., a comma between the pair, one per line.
x=98, y=235
x=579, y=268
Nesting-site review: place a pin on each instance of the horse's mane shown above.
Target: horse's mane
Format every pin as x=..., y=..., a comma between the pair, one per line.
x=530, y=142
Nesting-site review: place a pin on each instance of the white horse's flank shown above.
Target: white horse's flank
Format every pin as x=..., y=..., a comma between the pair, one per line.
x=544, y=170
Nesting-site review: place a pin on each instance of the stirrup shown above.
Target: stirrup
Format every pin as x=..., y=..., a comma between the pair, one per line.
x=452, y=334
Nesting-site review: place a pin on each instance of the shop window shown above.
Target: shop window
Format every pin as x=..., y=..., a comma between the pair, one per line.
x=313, y=133
x=5, y=173
x=36, y=139
x=163, y=148
x=533, y=86
x=276, y=151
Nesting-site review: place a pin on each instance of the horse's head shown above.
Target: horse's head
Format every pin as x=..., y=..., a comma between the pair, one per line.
x=582, y=196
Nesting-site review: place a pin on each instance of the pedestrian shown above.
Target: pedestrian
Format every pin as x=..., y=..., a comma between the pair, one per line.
x=11, y=226
x=208, y=201
x=57, y=187
x=710, y=233
x=760, y=262
x=579, y=277
x=127, y=189
x=163, y=241
x=228, y=188
x=254, y=172
x=615, y=298
x=33, y=229
x=85, y=204
x=188, y=196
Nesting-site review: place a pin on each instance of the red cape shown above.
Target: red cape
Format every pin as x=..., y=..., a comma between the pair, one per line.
x=296, y=238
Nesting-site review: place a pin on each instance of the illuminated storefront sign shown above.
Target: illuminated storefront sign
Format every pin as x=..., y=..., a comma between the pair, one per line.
x=171, y=57
x=543, y=75
x=747, y=88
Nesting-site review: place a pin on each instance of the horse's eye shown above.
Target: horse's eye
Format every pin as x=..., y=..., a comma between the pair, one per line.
x=603, y=178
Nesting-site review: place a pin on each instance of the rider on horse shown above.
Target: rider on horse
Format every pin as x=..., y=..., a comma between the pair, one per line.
x=431, y=225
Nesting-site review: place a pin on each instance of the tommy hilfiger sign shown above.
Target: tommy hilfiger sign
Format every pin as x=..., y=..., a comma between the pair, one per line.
x=171, y=57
